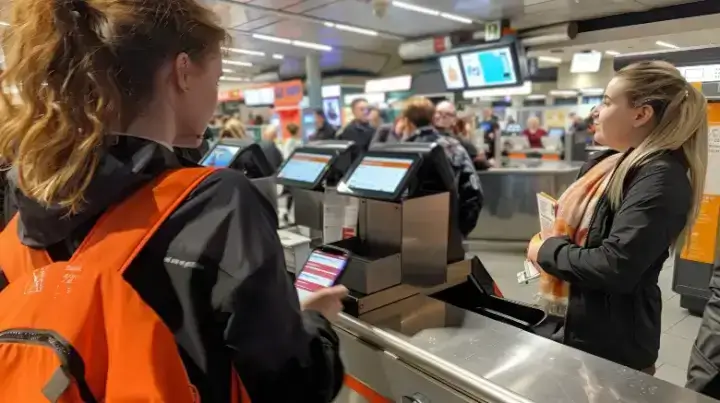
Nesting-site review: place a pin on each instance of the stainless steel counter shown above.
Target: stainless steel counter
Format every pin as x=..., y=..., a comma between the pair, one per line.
x=510, y=210
x=480, y=359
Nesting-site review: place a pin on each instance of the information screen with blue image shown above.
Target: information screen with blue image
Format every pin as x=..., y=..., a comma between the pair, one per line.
x=489, y=68
x=221, y=156
x=379, y=174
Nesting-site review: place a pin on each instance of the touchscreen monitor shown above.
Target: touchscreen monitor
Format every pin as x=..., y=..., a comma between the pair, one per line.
x=489, y=68
x=379, y=174
x=452, y=73
x=304, y=167
x=221, y=156
x=322, y=270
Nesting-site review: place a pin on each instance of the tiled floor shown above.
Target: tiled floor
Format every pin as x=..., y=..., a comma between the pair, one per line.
x=678, y=326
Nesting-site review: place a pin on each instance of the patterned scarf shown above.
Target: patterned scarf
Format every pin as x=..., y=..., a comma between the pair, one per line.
x=575, y=210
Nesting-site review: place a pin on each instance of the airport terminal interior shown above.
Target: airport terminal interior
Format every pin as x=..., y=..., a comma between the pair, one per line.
x=435, y=315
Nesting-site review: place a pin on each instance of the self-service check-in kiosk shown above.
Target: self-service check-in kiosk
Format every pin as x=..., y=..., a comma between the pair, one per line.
x=310, y=173
x=247, y=156
x=407, y=237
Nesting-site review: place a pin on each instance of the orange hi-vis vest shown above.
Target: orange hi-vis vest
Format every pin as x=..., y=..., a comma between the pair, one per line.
x=76, y=331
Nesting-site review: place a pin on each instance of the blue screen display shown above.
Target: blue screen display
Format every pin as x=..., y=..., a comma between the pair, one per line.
x=488, y=68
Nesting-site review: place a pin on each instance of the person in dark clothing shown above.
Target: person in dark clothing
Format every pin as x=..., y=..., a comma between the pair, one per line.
x=417, y=120
x=359, y=129
x=655, y=124
x=447, y=123
x=270, y=148
x=323, y=129
x=214, y=271
x=389, y=133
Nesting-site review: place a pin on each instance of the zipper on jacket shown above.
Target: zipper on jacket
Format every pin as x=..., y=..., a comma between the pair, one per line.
x=70, y=360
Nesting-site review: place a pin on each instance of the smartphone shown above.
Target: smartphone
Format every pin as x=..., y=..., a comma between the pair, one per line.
x=324, y=268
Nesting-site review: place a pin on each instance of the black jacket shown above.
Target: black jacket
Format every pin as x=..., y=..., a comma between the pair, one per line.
x=615, y=303
x=272, y=153
x=470, y=193
x=325, y=132
x=359, y=132
x=215, y=273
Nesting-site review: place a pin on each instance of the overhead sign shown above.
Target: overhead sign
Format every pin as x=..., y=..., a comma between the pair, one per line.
x=231, y=95
x=289, y=93
x=259, y=96
x=493, y=30
x=701, y=74
x=390, y=84
x=586, y=62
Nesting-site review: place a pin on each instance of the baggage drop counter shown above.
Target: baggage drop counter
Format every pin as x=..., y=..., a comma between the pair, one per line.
x=510, y=209
x=422, y=350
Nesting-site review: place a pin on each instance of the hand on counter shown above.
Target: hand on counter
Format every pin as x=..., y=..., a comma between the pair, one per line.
x=534, y=248
x=327, y=301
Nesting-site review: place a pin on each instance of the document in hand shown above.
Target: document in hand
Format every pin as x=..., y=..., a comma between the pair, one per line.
x=547, y=208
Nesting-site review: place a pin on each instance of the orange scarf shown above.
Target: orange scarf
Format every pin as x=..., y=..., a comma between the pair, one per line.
x=575, y=210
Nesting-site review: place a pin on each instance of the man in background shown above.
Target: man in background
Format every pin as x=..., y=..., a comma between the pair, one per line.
x=359, y=129
x=417, y=122
x=324, y=131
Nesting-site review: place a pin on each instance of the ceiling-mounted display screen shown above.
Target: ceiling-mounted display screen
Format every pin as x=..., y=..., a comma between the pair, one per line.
x=490, y=68
x=452, y=72
x=586, y=62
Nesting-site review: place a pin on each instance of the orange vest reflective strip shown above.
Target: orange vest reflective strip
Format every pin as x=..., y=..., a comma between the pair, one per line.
x=363, y=390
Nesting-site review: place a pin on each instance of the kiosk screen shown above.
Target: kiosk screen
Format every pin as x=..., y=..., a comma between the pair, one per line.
x=379, y=174
x=322, y=270
x=304, y=167
x=221, y=156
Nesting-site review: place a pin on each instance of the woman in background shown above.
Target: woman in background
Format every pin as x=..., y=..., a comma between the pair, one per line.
x=233, y=129
x=534, y=132
x=291, y=144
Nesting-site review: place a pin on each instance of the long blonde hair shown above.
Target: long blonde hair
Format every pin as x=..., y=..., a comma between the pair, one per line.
x=680, y=123
x=84, y=68
x=233, y=128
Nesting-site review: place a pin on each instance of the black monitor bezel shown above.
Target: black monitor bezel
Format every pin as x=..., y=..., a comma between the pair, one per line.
x=373, y=194
x=333, y=153
x=221, y=143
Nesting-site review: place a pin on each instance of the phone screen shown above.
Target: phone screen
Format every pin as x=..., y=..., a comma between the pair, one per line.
x=321, y=270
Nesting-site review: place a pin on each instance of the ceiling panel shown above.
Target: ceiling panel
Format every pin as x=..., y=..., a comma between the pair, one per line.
x=398, y=21
x=312, y=32
x=308, y=5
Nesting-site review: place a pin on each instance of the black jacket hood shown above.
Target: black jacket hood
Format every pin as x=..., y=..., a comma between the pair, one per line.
x=119, y=173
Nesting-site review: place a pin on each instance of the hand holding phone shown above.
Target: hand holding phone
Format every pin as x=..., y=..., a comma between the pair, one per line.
x=323, y=270
x=327, y=301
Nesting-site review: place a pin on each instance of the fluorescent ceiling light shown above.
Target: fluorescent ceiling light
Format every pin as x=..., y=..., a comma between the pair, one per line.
x=563, y=93
x=300, y=44
x=4, y=24
x=457, y=18
x=524, y=89
x=244, y=51
x=592, y=91
x=550, y=59
x=430, y=11
x=227, y=78
x=612, y=53
x=272, y=39
x=667, y=45
x=278, y=56
x=237, y=63
x=417, y=9
x=350, y=28
x=311, y=45
x=535, y=97
x=228, y=71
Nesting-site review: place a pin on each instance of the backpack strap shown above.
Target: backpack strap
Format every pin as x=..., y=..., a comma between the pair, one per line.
x=17, y=259
x=122, y=232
